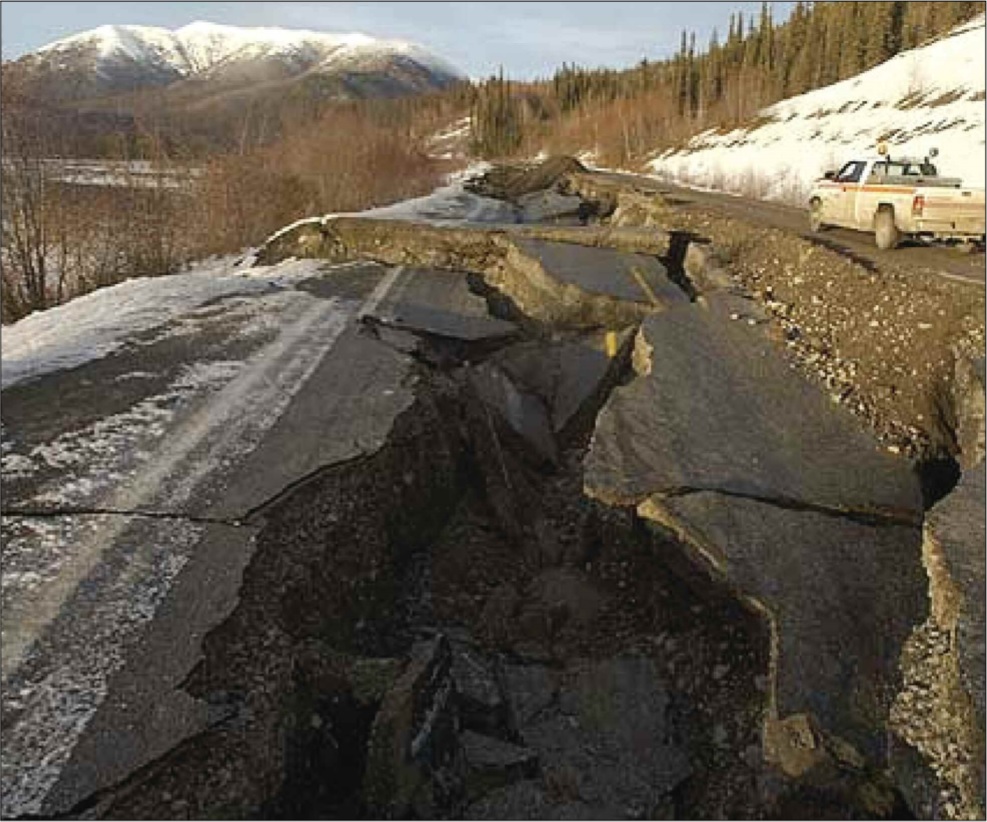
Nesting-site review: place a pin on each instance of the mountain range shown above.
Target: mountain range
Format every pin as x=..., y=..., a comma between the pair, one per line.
x=203, y=59
x=207, y=85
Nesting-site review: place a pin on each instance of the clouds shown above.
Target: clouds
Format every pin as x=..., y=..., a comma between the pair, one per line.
x=527, y=39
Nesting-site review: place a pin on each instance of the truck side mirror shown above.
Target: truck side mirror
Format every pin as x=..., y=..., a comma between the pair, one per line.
x=829, y=175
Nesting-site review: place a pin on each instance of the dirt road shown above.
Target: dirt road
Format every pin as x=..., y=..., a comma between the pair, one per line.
x=918, y=258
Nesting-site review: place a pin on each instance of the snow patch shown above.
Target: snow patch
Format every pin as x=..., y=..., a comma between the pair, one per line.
x=927, y=97
x=450, y=204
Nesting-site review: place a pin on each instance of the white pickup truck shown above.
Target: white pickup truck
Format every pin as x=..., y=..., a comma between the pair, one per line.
x=898, y=198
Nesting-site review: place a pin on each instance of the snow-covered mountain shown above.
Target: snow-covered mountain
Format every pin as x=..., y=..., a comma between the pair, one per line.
x=116, y=59
x=928, y=97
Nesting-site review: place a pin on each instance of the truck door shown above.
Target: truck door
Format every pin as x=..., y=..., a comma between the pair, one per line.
x=849, y=181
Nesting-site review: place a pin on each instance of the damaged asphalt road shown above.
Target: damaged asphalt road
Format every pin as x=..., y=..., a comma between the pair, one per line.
x=467, y=522
x=153, y=491
x=130, y=502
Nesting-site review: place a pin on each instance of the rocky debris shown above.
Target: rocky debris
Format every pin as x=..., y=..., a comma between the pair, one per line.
x=513, y=182
x=619, y=203
x=572, y=374
x=481, y=704
x=606, y=741
x=530, y=690
x=939, y=713
x=530, y=799
x=412, y=742
x=492, y=763
x=523, y=412
x=552, y=207
x=370, y=678
x=706, y=270
x=968, y=409
x=954, y=534
x=635, y=278
x=557, y=600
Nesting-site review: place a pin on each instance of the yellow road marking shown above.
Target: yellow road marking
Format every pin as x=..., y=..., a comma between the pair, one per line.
x=639, y=276
x=611, y=344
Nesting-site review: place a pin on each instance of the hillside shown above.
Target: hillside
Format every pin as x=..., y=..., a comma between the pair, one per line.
x=931, y=96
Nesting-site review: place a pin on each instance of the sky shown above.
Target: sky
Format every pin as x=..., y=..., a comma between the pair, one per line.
x=529, y=39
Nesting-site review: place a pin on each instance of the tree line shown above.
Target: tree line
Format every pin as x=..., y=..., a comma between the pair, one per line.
x=757, y=61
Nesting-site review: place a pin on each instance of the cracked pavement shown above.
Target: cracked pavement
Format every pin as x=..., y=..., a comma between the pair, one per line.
x=152, y=488
x=185, y=518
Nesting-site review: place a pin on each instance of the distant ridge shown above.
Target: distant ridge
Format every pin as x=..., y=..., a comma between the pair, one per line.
x=204, y=58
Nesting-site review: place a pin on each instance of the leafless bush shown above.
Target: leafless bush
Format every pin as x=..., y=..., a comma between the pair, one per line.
x=32, y=239
x=791, y=188
x=62, y=240
x=753, y=184
x=346, y=162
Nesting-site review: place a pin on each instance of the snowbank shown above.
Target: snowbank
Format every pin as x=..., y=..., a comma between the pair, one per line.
x=932, y=96
x=450, y=204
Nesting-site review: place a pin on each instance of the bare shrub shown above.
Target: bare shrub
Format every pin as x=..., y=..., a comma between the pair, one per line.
x=791, y=188
x=753, y=184
x=345, y=162
x=62, y=240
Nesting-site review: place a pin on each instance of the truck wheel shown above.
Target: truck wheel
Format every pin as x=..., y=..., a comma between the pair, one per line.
x=815, y=214
x=886, y=233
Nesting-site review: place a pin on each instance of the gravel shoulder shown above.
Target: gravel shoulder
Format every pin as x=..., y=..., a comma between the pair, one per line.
x=913, y=257
x=878, y=330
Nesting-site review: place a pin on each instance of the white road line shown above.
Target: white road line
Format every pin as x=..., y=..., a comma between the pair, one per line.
x=961, y=279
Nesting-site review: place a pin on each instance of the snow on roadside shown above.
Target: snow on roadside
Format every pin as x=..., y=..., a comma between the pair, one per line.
x=97, y=324
x=932, y=96
x=449, y=204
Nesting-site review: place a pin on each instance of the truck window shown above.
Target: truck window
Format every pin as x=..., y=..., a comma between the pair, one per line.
x=902, y=169
x=850, y=173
